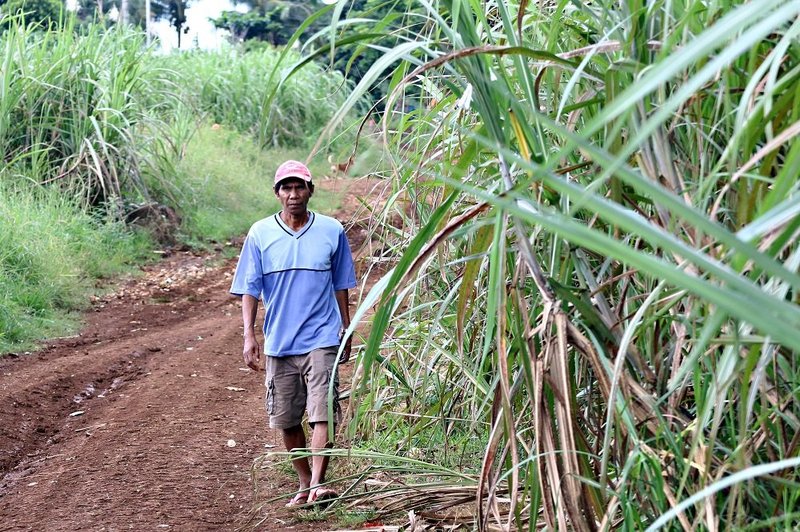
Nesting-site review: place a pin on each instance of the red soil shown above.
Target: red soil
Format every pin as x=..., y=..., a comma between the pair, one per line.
x=148, y=419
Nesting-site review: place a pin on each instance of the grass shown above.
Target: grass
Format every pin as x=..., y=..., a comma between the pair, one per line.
x=233, y=88
x=75, y=112
x=597, y=265
x=52, y=254
x=98, y=113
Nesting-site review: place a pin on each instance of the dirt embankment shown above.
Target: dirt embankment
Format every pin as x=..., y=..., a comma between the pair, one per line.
x=148, y=420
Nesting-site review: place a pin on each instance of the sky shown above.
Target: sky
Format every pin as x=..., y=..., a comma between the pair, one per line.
x=202, y=32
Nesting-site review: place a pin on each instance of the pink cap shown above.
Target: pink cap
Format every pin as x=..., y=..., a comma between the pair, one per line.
x=292, y=169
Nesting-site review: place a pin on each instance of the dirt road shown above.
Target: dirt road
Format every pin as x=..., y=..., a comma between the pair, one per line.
x=148, y=420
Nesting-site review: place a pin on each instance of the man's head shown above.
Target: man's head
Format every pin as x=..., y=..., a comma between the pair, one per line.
x=293, y=187
x=293, y=170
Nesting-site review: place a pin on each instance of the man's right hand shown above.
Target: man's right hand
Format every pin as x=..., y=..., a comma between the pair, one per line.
x=251, y=351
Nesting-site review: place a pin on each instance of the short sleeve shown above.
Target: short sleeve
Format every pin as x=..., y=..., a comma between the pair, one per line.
x=344, y=273
x=248, y=278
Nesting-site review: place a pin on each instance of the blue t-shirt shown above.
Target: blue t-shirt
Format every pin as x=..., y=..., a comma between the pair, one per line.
x=295, y=273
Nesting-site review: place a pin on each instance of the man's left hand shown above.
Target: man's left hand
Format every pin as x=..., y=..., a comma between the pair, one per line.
x=348, y=345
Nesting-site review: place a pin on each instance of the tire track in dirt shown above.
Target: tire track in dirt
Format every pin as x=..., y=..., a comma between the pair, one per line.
x=158, y=375
x=150, y=449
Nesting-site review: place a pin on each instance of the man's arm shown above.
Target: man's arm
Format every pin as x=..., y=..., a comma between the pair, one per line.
x=343, y=300
x=251, y=350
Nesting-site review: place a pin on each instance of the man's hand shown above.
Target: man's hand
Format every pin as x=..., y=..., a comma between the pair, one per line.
x=251, y=351
x=343, y=301
x=348, y=346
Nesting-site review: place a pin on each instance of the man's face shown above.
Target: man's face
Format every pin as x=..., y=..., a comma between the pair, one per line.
x=294, y=194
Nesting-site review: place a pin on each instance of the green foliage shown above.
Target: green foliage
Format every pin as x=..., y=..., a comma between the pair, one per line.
x=276, y=21
x=272, y=21
x=43, y=13
x=51, y=251
x=391, y=19
x=597, y=262
x=225, y=183
x=76, y=112
x=232, y=88
x=98, y=114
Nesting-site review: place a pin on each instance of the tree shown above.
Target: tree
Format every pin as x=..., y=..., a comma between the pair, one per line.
x=44, y=12
x=272, y=21
x=176, y=10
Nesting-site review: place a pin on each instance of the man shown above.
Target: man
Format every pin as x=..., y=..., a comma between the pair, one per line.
x=299, y=263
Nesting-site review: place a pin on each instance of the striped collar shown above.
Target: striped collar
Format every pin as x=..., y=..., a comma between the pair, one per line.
x=301, y=231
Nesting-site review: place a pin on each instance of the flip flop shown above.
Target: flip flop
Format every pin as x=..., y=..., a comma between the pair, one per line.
x=322, y=496
x=298, y=501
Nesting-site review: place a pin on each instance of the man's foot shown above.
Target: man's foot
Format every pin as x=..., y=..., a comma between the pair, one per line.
x=298, y=500
x=322, y=496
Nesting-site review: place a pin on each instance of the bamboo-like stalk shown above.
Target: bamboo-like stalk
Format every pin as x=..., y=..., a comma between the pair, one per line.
x=649, y=355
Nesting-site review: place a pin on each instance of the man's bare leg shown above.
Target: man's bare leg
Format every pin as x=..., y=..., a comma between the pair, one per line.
x=319, y=463
x=295, y=438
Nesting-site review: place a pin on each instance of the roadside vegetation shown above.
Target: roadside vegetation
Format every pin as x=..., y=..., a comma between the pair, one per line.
x=595, y=274
x=111, y=151
x=51, y=251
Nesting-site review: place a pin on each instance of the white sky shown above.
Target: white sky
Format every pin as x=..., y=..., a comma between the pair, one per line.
x=202, y=32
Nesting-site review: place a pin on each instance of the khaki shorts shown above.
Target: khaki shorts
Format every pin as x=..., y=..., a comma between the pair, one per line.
x=299, y=383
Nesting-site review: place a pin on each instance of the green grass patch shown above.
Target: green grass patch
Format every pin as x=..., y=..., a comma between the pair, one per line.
x=51, y=255
x=355, y=517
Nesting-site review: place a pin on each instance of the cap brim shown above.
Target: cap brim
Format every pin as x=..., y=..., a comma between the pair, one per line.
x=305, y=178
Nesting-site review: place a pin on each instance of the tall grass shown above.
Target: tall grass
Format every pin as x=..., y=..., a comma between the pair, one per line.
x=79, y=145
x=97, y=112
x=74, y=112
x=232, y=87
x=51, y=253
x=596, y=271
